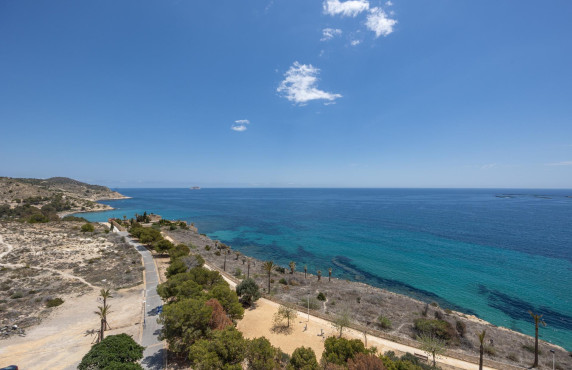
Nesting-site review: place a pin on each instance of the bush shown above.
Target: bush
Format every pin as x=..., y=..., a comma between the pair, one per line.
x=262, y=355
x=530, y=348
x=303, y=358
x=313, y=303
x=461, y=327
x=384, y=322
x=237, y=272
x=512, y=357
x=366, y=362
x=438, y=328
x=281, y=270
x=226, y=350
x=217, y=253
x=491, y=351
x=339, y=350
x=179, y=250
x=54, y=302
x=17, y=295
x=74, y=218
x=321, y=297
x=87, y=228
x=207, y=247
x=283, y=281
x=162, y=246
x=114, y=352
x=248, y=292
x=38, y=218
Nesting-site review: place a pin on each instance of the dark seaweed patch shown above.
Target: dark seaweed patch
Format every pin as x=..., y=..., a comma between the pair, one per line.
x=517, y=309
x=355, y=273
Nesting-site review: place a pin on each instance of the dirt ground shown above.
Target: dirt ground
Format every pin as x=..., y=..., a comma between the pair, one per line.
x=63, y=338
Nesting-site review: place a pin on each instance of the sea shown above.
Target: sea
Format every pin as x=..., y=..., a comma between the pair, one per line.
x=493, y=253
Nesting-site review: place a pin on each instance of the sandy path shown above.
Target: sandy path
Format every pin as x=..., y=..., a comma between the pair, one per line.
x=60, y=341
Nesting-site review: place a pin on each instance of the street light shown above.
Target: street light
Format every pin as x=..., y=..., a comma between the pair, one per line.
x=309, y=307
x=552, y=358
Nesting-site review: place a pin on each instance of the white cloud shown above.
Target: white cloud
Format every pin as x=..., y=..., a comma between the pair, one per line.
x=330, y=33
x=299, y=85
x=565, y=163
x=378, y=22
x=355, y=42
x=388, y=3
x=488, y=166
x=349, y=8
x=240, y=125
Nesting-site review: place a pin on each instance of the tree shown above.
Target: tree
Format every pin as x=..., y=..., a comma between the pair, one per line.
x=102, y=312
x=319, y=275
x=432, y=345
x=305, y=271
x=292, y=266
x=105, y=294
x=339, y=350
x=228, y=299
x=179, y=250
x=284, y=313
x=482, y=348
x=537, y=320
x=364, y=361
x=237, y=253
x=180, y=286
x=248, y=267
x=268, y=266
x=226, y=350
x=115, y=351
x=303, y=358
x=163, y=246
x=330, y=274
x=219, y=319
x=341, y=321
x=261, y=355
x=184, y=322
x=248, y=292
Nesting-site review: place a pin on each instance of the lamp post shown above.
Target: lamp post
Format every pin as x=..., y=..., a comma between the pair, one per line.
x=552, y=358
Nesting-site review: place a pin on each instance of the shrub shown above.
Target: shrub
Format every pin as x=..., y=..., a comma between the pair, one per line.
x=179, y=250
x=87, y=228
x=237, y=272
x=207, y=247
x=313, y=303
x=261, y=354
x=461, y=327
x=384, y=322
x=283, y=281
x=163, y=246
x=281, y=270
x=217, y=253
x=54, y=302
x=339, y=350
x=530, y=348
x=362, y=361
x=491, y=351
x=248, y=292
x=512, y=357
x=438, y=328
x=17, y=295
x=114, y=352
x=74, y=218
x=303, y=358
x=321, y=296
x=226, y=350
x=38, y=218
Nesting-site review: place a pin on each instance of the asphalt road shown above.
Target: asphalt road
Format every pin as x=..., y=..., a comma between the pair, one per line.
x=155, y=352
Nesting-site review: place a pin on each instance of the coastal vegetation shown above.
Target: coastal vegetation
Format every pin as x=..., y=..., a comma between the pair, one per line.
x=114, y=352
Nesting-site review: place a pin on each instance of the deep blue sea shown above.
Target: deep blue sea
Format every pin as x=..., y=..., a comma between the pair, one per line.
x=492, y=253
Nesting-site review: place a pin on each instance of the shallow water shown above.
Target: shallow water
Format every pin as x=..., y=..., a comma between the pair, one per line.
x=493, y=253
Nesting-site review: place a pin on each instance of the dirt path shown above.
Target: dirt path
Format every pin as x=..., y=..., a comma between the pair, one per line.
x=61, y=340
x=20, y=265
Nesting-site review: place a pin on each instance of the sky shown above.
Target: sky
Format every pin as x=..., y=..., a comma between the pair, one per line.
x=288, y=93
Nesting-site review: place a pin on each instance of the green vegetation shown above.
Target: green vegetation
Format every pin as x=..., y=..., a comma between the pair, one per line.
x=303, y=358
x=163, y=246
x=432, y=345
x=339, y=350
x=114, y=352
x=248, y=292
x=341, y=321
x=284, y=313
x=146, y=235
x=384, y=322
x=406, y=362
x=437, y=328
x=54, y=302
x=87, y=228
x=321, y=296
x=537, y=320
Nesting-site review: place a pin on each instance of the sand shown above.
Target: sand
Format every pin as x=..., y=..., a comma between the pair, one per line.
x=61, y=340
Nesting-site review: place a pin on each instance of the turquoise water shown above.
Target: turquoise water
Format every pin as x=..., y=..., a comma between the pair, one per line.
x=492, y=253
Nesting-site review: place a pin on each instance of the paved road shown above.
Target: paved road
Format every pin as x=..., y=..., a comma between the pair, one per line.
x=154, y=354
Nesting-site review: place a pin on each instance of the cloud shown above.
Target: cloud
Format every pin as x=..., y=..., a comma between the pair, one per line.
x=564, y=163
x=378, y=22
x=355, y=42
x=349, y=8
x=488, y=166
x=240, y=125
x=388, y=3
x=299, y=85
x=330, y=33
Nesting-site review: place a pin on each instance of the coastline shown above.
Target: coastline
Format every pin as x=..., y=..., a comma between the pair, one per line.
x=506, y=341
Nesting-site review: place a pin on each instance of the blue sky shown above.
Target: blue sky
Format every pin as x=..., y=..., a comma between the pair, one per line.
x=288, y=93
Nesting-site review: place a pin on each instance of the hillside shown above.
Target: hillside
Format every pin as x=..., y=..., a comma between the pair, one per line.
x=59, y=194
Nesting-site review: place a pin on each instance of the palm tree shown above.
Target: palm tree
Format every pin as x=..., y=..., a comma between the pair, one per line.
x=305, y=271
x=319, y=274
x=102, y=313
x=330, y=274
x=268, y=266
x=292, y=265
x=537, y=320
x=105, y=294
x=237, y=253
x=482, y=349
